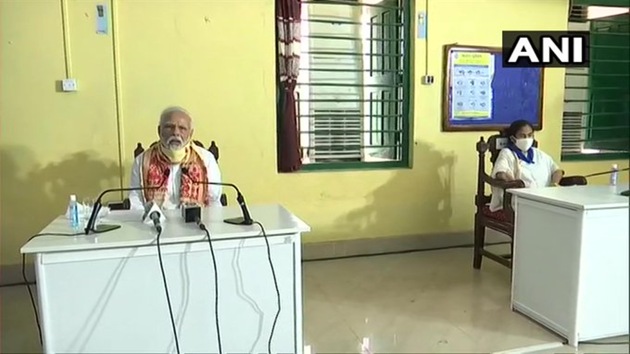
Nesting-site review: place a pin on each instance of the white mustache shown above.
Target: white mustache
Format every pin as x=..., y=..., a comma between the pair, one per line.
x=174, y=139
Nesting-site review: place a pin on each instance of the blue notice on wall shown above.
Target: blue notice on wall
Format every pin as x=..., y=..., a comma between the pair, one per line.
x=422, y=25
x=101, y=19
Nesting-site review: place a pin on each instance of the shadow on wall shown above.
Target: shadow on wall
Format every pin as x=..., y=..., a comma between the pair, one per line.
x=420, y=201
x=31, y=196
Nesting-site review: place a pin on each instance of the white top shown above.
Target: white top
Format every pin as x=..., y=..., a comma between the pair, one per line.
x=173, y=185
x=577, y=197
x=534, y=175
x=134, y=233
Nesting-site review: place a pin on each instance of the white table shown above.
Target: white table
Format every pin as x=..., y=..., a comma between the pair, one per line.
x=105, y=294
x=570, y=270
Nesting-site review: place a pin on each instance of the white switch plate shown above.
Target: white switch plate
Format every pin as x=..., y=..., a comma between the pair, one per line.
x=69, y=85
x=428, y=79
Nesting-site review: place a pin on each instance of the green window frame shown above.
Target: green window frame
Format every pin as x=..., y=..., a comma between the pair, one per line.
x=353, y=93
x=596, y=121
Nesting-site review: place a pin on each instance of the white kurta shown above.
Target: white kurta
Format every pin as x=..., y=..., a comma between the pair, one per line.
x=173, y=185
x=534, y=175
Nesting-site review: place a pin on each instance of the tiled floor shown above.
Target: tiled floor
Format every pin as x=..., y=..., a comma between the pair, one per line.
x=424, y=302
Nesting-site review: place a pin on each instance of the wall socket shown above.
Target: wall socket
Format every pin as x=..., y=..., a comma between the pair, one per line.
x=69, y=85
x=427, y=79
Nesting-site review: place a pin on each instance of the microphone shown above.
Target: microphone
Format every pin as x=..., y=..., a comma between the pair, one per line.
x=154, y=215
x=90, y=227
x=246, y=219
x=191, y=212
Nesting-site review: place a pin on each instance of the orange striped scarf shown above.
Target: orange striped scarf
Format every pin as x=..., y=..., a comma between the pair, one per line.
x=155, y=165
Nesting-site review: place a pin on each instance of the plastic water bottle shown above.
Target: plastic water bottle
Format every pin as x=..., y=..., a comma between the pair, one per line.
x=614, y=176
x=73, y=213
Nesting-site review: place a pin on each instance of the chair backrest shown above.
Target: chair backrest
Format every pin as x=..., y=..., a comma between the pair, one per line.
x=482, y=147
x=213, y=148
x=494, y=145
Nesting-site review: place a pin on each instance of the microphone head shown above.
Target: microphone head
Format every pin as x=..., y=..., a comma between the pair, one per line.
x=191, y=212
x=152, y=209
x=147, y=207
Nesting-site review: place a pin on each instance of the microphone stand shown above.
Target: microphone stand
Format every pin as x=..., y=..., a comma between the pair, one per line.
x=606, y=172
x=246, y=219
x=91, y=227
x=625, y=193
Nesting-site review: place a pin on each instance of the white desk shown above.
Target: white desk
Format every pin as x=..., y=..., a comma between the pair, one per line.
x=570, y=270
x=105, y=294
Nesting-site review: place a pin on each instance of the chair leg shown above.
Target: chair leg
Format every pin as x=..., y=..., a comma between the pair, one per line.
x=480, y=236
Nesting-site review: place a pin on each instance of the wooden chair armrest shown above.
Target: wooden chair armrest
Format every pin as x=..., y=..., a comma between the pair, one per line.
x=507, y=197
x=483, y=200
x=573, y=181
x=517, y=183
x=499, y=183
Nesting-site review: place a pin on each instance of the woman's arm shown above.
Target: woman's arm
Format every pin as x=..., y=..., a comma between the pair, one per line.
x=502, y=166
x=556, y=172
x=506, y=176
x=556, y=176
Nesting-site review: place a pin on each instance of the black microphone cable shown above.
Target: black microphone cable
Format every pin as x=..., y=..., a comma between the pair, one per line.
x=27, y=282
x=168, y=297
x=216, y=284
x=275, y=283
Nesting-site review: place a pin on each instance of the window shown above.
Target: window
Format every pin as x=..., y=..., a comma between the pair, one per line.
x=596, y=120
x=353, y=85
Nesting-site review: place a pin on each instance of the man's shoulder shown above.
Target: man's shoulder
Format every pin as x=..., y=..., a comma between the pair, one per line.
x=205, y=154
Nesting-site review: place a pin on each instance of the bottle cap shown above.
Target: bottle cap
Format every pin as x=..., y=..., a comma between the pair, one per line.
x=73, y=198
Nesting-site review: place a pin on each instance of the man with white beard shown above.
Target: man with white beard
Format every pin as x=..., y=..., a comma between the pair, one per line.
x=163, y=162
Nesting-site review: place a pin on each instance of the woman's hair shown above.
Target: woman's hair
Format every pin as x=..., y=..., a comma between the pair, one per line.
x=517, y=125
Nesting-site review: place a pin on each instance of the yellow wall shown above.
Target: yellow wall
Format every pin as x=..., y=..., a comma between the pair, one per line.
x=216, y=58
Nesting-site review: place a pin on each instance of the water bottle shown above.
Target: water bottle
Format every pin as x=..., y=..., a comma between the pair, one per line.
x=73, y=214
x=614, y=176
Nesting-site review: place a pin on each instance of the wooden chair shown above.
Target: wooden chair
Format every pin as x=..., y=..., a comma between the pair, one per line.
x=126, y=204
x=501, y=221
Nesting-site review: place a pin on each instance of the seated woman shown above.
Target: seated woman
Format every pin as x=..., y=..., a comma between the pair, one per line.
x=521, y=161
